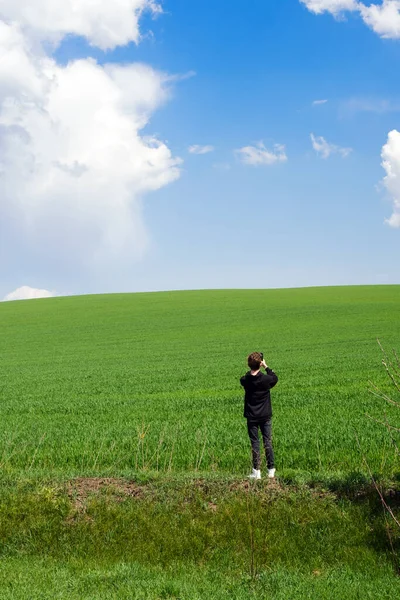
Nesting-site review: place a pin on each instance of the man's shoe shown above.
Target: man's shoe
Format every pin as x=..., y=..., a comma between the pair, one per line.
x=255, y=474
x=271, y=473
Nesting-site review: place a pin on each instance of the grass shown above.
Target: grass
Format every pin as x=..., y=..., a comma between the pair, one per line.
x=46, y=580
x=145, y=389
x=126, y=383
x=240, y=530
x=187, y=538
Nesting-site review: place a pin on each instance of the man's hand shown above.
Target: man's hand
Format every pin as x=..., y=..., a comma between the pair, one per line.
x=264, y=364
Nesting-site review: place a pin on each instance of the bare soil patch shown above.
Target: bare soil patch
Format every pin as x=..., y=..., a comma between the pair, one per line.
x=79, y=490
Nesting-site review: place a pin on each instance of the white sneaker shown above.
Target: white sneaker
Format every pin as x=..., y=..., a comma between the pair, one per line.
x=255, y=474
x=271, y=473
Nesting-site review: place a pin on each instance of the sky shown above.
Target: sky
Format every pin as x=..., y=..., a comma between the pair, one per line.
x=150, y=145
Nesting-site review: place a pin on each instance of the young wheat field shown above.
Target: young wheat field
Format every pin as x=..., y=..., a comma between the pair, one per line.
x=144, y=388
x=150, y=382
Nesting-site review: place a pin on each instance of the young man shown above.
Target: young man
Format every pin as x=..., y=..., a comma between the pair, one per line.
x=258, y=411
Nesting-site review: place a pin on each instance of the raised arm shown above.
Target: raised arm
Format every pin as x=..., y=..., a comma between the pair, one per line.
x=270, y=376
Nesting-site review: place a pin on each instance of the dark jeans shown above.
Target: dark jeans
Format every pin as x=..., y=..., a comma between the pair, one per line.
x=266, y=432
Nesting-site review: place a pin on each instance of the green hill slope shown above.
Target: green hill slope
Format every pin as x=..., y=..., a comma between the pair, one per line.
x=144, y=389
x=124, y=383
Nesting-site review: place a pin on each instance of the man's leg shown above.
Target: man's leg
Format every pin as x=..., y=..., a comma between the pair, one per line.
x=266, y=430
x=252, y=428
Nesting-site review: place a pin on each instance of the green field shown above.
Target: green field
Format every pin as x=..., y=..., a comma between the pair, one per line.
x=145, y=388
x=121, y=383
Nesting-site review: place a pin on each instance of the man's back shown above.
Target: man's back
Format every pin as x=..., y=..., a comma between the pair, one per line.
x=257, y=400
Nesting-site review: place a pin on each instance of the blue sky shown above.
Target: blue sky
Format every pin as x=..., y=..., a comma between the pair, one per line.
x=239, y=74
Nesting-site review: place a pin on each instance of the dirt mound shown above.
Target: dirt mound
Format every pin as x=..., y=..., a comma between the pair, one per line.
x=82, y=488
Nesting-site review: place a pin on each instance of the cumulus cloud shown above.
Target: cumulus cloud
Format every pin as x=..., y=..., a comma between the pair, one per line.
x=104, y=24
x=28, y=293
x=391, y=164
x=259, y=155
x=325, y=149
x=74, y=163
x=383, y=18
x=200, y=149
x=333, y=6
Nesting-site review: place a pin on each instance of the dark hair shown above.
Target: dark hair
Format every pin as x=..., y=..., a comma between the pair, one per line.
x=254, y=361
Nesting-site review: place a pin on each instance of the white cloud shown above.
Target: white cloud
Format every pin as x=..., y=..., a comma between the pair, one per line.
x=27, y=293
x=325, y=149
x=259, y=155
x=74, y=164
x=200, y=149
x=384, y=18
x=391, y=164
x=333, y=6
x=319, y=102
x=103, y=23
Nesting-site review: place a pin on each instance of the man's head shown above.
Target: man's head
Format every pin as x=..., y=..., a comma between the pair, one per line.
x=254, y=361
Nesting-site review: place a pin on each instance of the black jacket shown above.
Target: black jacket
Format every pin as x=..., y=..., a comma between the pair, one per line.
x=257, y=399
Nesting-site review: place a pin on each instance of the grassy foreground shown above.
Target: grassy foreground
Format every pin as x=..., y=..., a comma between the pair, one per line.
x=138, y=397
x=46, y=580
x=192, y=539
